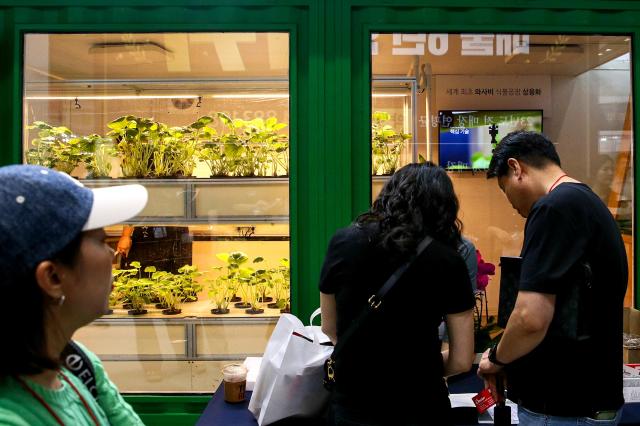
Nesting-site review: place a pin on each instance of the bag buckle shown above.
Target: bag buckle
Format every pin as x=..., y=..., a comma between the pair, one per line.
x=330, y=371
x=373, y=303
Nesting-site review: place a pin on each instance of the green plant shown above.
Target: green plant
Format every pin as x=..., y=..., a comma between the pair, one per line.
x=386, y=144
x=137, y=140
x=98, y=152
x=55, y=147
x=236, y=276
x=257, y=282
x=186, y=280
x=280, y=282
x=220, y=292
x=270, y=150
x=169, y=291
x=175, y=152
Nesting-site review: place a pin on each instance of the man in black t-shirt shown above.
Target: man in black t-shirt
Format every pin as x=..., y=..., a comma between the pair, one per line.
x=562, y=347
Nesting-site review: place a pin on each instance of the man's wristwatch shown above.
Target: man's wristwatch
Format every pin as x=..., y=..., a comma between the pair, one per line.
x=492, y=357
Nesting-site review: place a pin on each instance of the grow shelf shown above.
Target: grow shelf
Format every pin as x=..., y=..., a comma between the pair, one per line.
x=198, y=200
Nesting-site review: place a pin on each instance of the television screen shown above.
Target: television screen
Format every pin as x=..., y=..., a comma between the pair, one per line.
x=467, y=138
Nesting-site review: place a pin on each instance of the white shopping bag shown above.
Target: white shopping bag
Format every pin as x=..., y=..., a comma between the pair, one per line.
x=290, y=379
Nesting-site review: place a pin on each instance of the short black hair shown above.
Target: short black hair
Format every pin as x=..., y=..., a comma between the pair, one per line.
x=531, y=148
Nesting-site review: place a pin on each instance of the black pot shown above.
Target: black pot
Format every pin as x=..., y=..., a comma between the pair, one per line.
x=174, y=311
x=254, y=311
x=217, y=311
x=137, y=312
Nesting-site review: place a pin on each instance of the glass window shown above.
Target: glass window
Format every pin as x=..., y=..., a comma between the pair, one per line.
x=202, y=120
x=464, y=92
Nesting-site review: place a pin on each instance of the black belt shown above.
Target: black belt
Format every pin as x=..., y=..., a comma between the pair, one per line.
x=562, y=410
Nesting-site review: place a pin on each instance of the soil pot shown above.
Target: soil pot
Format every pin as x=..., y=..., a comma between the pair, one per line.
x=242, y=305
x=218, y=311
x=235, y=299
x=254, y=311
x=174, y=311
x=265, y=299
x=137, y=312
x=127, y=306
x=161, y=306
x=272, y=306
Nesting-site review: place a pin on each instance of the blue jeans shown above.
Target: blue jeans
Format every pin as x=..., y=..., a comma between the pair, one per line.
x=529, y=418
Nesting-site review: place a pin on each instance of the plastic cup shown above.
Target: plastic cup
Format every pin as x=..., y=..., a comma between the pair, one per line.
x=234, y=377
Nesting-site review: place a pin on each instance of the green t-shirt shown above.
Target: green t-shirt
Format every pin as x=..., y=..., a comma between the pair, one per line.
x=19, y=408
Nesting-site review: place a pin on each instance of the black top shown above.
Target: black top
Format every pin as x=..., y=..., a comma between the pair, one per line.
x=573, y=377
x=393, y=366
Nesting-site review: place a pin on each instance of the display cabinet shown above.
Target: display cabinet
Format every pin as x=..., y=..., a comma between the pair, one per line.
x=202, y=121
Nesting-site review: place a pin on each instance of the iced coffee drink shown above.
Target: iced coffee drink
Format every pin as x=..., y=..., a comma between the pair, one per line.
x=234, y=377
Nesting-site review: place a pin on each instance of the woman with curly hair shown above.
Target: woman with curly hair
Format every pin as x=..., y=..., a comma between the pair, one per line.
x=382, y=376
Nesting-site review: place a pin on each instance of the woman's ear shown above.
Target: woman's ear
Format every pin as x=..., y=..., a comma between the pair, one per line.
x=49, y=276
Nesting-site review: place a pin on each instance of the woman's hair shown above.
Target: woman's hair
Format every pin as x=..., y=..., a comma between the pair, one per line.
x=417, y=201
x=23, y=315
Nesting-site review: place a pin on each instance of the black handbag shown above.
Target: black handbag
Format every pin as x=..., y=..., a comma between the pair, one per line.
x=373, y=304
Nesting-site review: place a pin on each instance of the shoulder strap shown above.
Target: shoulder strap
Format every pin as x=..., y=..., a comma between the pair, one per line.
x=77, y=361
x=376, y=300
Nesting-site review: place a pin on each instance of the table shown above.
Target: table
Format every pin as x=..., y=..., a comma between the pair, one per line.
x=220, y=413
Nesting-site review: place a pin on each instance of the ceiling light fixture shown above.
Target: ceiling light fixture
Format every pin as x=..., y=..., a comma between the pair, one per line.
x=389, y=95
x=108, y=97
x=251, y=96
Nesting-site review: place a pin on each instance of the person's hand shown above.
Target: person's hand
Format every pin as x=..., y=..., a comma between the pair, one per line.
x=124, y=245
x=488, y=372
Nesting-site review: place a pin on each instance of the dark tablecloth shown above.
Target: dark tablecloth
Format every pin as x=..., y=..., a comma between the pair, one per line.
x=220, y=413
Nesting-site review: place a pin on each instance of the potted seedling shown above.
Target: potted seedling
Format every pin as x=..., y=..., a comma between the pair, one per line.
x=271, y=148
x=154, y=295
x=134, y=288
x=121, y=277
x=175, y=152
x=233, y=261
x=136, y=141
x=280, y=277
x=186, y=279
x=259, y=281
x=386, y=144
x=169, y=290
x=220, y=292
x=236, y=154
x=99, y=151
x=211, y=149
x=55, y=147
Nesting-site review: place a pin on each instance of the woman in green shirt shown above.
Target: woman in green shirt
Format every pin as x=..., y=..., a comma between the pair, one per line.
x=55, y=277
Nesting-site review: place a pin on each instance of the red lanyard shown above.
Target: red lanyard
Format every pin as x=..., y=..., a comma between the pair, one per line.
x=555, y=183
x=48, y=407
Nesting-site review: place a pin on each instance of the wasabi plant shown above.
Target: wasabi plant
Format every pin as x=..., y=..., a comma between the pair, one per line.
x=220, y=292
x=98, y=152
x=186, y=280
x=55, y=147
x=137, y=140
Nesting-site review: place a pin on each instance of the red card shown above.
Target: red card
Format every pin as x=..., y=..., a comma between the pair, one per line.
x=483, y=400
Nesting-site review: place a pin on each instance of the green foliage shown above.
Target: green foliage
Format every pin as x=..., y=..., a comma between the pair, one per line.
x=98, y=152
x=386, y=144
x=137, y=140
x=55, y=147
x=252, y=283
